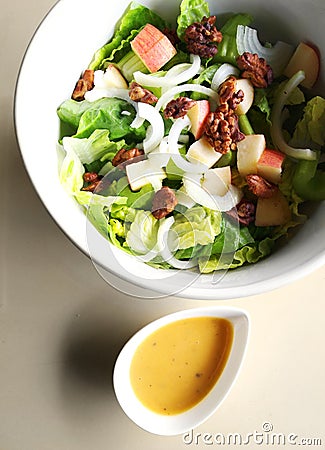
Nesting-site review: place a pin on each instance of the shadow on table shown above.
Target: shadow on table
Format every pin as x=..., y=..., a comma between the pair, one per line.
x=89, y=351
x=93, y=340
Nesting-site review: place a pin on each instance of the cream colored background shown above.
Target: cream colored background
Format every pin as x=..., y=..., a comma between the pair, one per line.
x=62, y=326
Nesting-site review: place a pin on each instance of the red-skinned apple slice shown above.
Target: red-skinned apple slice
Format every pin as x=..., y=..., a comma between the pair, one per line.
x=197, y=115
x=249, y=151
x=153, y=48
x=306, y=58
x=269, y=166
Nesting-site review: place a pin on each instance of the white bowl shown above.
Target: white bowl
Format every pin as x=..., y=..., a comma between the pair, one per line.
x=180, y=423
x=59, y=52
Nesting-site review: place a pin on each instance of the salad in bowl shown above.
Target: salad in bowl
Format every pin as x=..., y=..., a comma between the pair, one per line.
x=194, y=145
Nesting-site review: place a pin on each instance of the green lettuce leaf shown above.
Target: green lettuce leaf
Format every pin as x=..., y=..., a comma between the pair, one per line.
x=310, y=130
x=231, y=238
x=296, y=97
x=287, y=189
x=259, y=114
x=111, y=229
x=206, y=75
x=120, y=51
x=97, y=216
x=71, y=178
x=205, y=79
x=106, y=113
x=191, y=11
x=123, y=212
x=97, y=146
x=71, y=172
x=142, y=235
x=134, y=18
x=117, y=227
x=141, y=199
x=248, y=254
x=196, y=226
x=261, y=101
x=70, y=111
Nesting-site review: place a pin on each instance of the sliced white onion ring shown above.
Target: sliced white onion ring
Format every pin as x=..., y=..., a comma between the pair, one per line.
x=277, y=56
x=169, y=80
x=156, y=130
x=163, y=230
x=97, y=93
x=184, y=199
x=162, y=248
x=138, y=121
x=225, y=71
x=169, y=144
x=277, y=118
x=175, y=132
x=187, y=166
x=169, y=95
x=176, y=70
x=192, y=185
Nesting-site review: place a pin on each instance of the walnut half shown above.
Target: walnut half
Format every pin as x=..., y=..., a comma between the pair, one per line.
x=178, y=107
x=260, y=187
x=139, y=94
x=228, y=94
x=201, y=37
x=163, y=203
x=84, y=84
x=256, y=69
x=124, y=157
x=244, y=212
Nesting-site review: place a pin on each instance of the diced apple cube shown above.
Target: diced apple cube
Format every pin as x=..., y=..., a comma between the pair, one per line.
x=153, y=48
x=249, y=152
x=246, y=86
x=202, y=152
x=217, y=181
x=197, y=115
x=272, y=211
x=269, y=166
x=305, y=58
x=113, y=78
x=141, y=173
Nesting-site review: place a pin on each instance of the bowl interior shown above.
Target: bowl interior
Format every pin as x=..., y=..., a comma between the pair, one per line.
x=180, y=423
x=54, y=60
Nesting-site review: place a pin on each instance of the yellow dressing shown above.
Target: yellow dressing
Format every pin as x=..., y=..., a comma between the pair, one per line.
x=175, y=367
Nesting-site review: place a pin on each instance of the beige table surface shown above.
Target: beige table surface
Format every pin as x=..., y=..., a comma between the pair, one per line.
x=62, y=326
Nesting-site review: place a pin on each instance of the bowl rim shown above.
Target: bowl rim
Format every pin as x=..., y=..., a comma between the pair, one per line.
x=202, y=292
